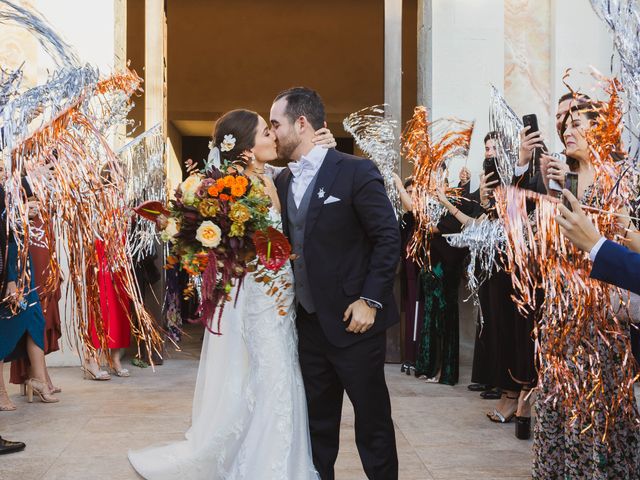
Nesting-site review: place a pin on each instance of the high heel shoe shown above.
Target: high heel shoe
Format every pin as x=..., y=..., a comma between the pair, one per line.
x=100, y=375
x=39, y=388
x=53, y=388
x=523, y=428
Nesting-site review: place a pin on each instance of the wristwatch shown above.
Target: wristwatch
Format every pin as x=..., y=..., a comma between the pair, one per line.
x=372, y=304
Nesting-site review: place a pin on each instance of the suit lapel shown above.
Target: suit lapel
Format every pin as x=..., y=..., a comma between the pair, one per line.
x=283, y=194
x=326, y=176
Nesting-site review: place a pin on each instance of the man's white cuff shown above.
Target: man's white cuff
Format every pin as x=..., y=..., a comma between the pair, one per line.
x=596, y=248
x=518, y=170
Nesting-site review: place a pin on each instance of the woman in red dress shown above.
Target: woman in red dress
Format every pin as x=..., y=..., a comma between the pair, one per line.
x=115, y=312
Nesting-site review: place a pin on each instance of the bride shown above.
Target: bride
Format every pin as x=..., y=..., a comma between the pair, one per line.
x=249, y=418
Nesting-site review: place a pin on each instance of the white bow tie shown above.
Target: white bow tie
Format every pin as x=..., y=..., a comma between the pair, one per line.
x=298, y=167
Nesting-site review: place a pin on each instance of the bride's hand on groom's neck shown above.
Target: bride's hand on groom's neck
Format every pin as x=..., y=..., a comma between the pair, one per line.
x=324, y=138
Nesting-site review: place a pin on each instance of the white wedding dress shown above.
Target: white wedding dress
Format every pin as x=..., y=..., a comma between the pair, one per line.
x=249, y=417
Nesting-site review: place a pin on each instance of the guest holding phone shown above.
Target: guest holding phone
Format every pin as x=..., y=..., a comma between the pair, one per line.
x=563, y=447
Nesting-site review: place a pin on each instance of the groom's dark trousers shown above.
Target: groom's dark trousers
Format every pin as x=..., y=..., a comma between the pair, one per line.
x=328, y=372
x=346, y=236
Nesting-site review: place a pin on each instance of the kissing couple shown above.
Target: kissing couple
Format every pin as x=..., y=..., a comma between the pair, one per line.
x=269, y=393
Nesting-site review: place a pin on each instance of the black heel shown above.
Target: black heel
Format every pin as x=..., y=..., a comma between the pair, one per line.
x=523, y=428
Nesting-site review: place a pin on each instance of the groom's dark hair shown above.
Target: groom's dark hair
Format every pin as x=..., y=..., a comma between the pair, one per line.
x=304, y=102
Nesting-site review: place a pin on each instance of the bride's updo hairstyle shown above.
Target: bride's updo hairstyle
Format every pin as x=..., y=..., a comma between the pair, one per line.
x=240, y=125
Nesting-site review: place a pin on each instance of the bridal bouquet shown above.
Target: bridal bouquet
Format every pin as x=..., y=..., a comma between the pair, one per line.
x=219, y=229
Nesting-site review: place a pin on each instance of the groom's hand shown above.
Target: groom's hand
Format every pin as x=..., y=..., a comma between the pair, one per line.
x=362, y=316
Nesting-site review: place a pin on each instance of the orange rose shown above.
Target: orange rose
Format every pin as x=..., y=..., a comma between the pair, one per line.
x=220, y=184
x=224, y=197
x=213, y=191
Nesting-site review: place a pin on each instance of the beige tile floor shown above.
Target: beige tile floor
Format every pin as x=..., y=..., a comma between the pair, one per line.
x=442, y=432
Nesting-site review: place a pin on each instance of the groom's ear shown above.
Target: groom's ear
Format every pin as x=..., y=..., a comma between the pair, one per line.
x=302, y=124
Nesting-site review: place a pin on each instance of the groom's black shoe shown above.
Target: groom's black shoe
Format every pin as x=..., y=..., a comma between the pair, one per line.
x=10, y=447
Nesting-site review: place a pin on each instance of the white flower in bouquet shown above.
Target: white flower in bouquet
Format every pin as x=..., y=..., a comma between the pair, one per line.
x=170, y=231
x=209, y=234
x=189, y=188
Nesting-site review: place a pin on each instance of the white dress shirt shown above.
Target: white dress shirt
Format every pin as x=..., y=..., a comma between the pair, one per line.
x=304, y=170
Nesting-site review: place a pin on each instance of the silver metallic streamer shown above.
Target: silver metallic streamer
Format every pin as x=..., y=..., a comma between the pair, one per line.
x=504, y=121
x=65, y=88
x=623, y=19
x=485, y=239
x=77, y=178
x=143, y=166
x=377, y=136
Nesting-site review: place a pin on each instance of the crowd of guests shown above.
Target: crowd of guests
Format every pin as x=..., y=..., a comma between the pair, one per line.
x=33, y=329
x=504, y=361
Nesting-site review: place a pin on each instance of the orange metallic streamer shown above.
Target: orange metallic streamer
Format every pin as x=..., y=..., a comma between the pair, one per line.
x=430, y=146
x=82, y=200
x=582, y=343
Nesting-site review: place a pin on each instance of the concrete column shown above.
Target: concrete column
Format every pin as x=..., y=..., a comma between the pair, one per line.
x=120, y=55
x=393, y=59
x=425, y=57
x=155, y=109
x=393, y=99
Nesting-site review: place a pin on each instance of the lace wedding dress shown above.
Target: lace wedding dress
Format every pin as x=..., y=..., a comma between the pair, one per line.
x=249, y=417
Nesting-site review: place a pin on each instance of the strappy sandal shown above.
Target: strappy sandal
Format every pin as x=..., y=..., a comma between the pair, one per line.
x=6, y=405
x=497, y=417
x=123, y=372
x=99, y=376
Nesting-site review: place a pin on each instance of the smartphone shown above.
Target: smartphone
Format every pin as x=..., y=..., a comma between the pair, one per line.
x=553, y=184
x=531, y=121
x=571, y=184
x=490, y=166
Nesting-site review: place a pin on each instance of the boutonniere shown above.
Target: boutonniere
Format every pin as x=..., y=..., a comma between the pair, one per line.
x=321, y=192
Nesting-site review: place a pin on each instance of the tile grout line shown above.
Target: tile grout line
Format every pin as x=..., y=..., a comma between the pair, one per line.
x=398, y=429
x=81, y=428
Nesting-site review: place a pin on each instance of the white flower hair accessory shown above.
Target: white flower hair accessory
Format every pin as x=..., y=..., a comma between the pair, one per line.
x=228, y=143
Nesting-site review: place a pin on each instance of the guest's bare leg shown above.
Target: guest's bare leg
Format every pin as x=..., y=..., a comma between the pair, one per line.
x=36, y=357
x=5, y=402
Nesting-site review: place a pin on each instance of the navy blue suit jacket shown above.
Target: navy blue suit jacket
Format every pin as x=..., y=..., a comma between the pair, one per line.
x=617, y=265
x=351, y=247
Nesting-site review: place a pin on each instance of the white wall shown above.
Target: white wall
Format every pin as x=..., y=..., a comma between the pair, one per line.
x=468, y=55
x=86, y=25
x=579, y=40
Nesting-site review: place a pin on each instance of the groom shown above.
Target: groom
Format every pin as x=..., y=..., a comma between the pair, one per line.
x=343, y=230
